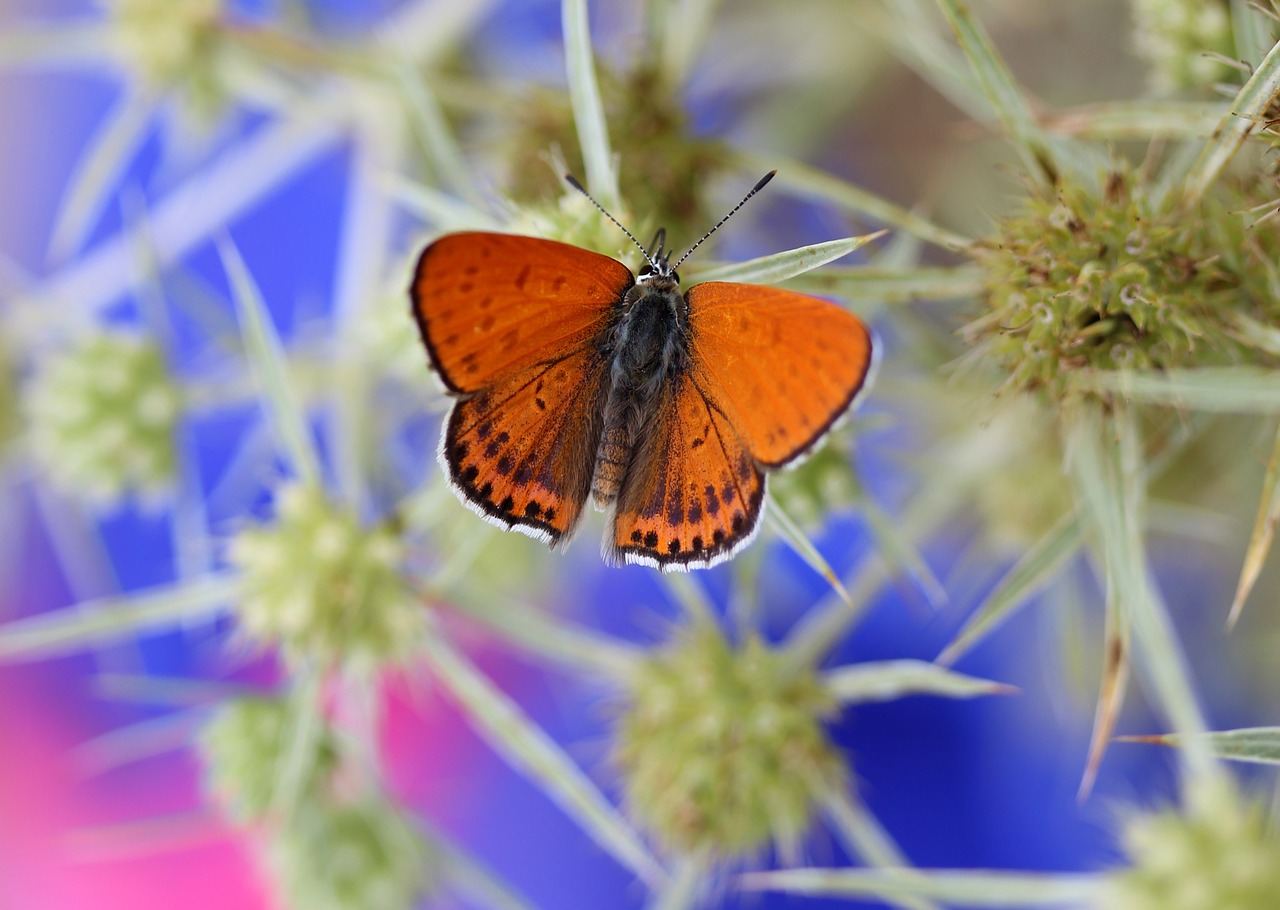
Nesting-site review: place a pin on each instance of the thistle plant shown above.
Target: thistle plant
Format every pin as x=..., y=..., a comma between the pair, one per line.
x=1063, y=379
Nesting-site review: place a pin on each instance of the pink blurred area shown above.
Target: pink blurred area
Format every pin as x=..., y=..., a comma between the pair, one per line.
x=69, y=840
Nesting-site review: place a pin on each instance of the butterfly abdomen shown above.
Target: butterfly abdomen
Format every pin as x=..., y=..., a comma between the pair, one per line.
x=647, y=350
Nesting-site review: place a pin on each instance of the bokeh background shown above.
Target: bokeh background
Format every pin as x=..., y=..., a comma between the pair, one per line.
x=987, y=783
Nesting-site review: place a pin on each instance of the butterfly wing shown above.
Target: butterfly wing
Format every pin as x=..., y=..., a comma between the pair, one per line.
x=490, y=306
x=781, y=366
x=511, y=325
x=693, y=493
x=521, y=452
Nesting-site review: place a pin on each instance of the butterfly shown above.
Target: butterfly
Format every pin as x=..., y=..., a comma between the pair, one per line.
x=575, y=379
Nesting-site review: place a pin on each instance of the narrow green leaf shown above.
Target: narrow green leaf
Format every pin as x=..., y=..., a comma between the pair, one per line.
x=789, y=531
x=1264, y=531
x=588, y=109
x=111, y=619
x=958, y=888
x=136, y=742
x=304, y=729
x=1109, y=505
x=787, y=264
x=686, y=888
x=1251, y=30
x=1259, y=745
x=1142, y=119
x=97, y=173
x=892, y=679
x=530, y=751
x=924, y=49
x=432, y=129
x=682, y=27
x=1248, y=110
x=525, y=626
x=1105, y=459
x=810, y=182
x=905, y=285
x=262, y=344
x=691, y=596
x=863, y=836
x=1236, y=390
x=900, y=552
x=436, y=208
x=1000, y=88
x=1038, y=566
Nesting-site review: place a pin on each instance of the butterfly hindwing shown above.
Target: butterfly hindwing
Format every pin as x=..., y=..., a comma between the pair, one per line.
x=490, y=305
x=693, y=493
x=782, y=366
x=521, y=452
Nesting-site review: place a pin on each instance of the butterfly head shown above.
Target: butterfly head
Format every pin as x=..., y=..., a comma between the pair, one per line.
x=657, y=262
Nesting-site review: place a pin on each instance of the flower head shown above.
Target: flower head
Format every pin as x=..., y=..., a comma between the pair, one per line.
x=102, y=417
x=1218, y=857
x=723, y=750
x=320, y=585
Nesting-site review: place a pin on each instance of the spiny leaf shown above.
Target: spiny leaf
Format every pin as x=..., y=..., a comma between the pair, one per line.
x=900, y=285
x=1000, y=88
x=863, y=836
x=109, y=619
x=1037, y=567
x=1260, y=745
x=1264, y=530
x=1234, y=390
x=892, y=679
x=804, y=548
x=588, y=109
x=787, y=264
x=533, y=752
x=1248, y=109
x=957, y=888
x=815, y=184
x=97, y=173
x=286, y=415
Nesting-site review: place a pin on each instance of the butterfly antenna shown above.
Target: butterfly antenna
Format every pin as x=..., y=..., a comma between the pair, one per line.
x=755, y=189
x=573, y=182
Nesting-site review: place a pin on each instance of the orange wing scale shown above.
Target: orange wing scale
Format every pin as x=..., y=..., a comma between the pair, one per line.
x=693, y=494
x=521, y=452
x=491, y=305
x=783, y=366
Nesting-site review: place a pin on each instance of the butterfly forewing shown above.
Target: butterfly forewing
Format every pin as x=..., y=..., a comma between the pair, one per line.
x=491, y=305
x=693, y=493
x=782, y=366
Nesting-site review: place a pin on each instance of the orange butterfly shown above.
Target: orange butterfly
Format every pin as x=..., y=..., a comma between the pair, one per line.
x=576, y=379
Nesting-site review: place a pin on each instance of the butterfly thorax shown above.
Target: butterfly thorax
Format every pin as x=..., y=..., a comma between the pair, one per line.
x=647, y=348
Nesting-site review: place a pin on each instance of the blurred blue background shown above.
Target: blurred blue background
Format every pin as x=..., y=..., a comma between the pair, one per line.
x=989, y=783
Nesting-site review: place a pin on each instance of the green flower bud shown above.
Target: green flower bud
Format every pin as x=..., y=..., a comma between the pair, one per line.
x=1089, y=280
x=1175, y=36
x=173, y=44
x=361, y=856
x=243, y=747
x=319, y=585
x=1220, y=857
x=102, y=416
x=723, y=750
